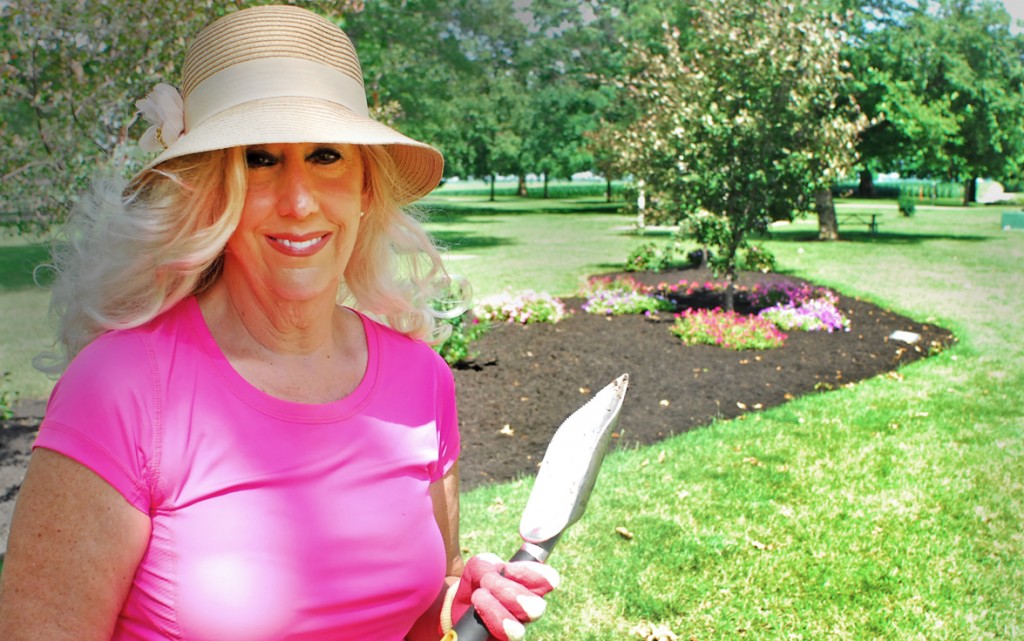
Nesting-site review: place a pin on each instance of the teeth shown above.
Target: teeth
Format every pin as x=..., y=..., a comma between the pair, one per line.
x=298, y=245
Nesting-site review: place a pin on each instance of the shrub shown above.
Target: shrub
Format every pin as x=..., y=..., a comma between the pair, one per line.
x=906, y=204
x=699, y=257
x=527, y=307
x=648, y=257
x=726, y=329
x=758, y=259
x=8, y=397
x=465, y=329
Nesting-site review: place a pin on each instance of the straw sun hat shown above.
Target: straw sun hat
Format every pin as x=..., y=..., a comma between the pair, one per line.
x=276, y=74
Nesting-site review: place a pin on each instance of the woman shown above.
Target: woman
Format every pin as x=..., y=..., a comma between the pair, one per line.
x=229, y=453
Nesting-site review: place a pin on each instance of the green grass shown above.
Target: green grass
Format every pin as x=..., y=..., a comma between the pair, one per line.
x=24, y=330
x=517, y=243
x=890, y=509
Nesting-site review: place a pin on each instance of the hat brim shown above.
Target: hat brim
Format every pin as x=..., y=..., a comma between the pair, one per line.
x=298, y=120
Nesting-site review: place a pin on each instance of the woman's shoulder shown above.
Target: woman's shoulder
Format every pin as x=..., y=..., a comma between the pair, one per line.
x=391, y=335
x=123, y=353
x=393, y=344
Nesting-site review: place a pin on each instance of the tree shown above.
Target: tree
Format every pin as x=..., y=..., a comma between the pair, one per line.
x=453, y=70
x=871, y=23
x=945, y=87
x=742, y=130
x=606, y=42
x=413, y=64
x=562, y=100
x=491, y=109
x=72, y=71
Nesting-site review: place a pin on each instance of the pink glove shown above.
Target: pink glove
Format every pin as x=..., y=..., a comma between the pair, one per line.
x=505, y=595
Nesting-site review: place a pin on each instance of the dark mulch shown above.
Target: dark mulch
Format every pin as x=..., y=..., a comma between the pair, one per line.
x=530, y=378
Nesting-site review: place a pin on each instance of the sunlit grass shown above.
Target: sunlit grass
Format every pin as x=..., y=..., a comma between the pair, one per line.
x=518, y=244
x=24, y=328
x=892, y=509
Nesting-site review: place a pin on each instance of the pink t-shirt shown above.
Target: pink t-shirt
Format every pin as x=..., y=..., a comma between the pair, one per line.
x=271, y=519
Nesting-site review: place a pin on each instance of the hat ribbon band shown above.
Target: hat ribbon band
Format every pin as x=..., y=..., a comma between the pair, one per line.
x=272, y=78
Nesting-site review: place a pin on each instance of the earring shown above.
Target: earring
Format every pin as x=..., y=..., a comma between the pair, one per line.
x=362, y=214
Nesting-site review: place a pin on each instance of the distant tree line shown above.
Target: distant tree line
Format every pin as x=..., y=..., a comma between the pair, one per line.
x=701, y=103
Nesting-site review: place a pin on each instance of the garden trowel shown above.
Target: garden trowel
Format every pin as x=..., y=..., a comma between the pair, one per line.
x=563, y=486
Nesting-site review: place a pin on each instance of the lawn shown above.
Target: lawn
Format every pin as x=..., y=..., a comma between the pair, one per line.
x=889, y=510
x=892, y=509
x=515, y=244
x=24, y=330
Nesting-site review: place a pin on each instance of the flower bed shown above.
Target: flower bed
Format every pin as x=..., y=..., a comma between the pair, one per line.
x=622, y=295
x=812, y=315
x=524, y=308
x=760, y=296
x=776, y=308
x=726, y=329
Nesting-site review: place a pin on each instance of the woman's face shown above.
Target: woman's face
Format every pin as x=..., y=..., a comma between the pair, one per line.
x=299, y=221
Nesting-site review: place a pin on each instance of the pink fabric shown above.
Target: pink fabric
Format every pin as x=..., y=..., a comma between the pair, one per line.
x=271, y=519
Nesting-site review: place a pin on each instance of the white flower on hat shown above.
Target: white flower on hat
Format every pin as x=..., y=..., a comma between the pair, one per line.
x=165, y=110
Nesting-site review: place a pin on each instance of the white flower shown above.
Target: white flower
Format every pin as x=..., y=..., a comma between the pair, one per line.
x=165, y=110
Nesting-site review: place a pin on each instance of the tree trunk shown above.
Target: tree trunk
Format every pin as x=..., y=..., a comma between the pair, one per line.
x=607, y=190
x=521, y=190
x=866, y=188
x=545, y=185
x=970, y=190
x=730, y=290
x=641, y=206
x=828, y=227
x=493, y=177
x=730, y=258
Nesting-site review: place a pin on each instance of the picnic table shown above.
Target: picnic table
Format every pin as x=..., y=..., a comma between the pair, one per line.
x=871, y=220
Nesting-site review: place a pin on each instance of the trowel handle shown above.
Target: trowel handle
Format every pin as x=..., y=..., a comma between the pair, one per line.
x=523, y=555
x=468, y=628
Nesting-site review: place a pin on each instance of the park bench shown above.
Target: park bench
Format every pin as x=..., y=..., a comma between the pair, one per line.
x=871, y=220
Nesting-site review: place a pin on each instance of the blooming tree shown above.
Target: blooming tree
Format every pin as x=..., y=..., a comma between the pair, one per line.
x=72, y=71
x=743, y=127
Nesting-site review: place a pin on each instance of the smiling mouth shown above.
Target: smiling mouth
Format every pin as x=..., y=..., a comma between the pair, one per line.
x=298, y=247
x=295, y=244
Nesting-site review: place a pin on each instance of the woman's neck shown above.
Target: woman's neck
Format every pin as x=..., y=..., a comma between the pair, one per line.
x=286, y=327
x=309, y=352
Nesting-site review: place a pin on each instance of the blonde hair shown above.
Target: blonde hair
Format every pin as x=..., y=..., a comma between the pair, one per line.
x=395, y=271
x=131, y=251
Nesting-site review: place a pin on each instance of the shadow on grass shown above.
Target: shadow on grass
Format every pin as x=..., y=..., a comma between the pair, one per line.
x=462, y=240
x=455, y=207
x=620, y=267
x=446, y=215
x=881, y=238
x=658, y=233
x=17, y=263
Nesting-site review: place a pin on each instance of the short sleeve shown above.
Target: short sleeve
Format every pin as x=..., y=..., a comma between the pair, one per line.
x=449, y=443
x=101, y=414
